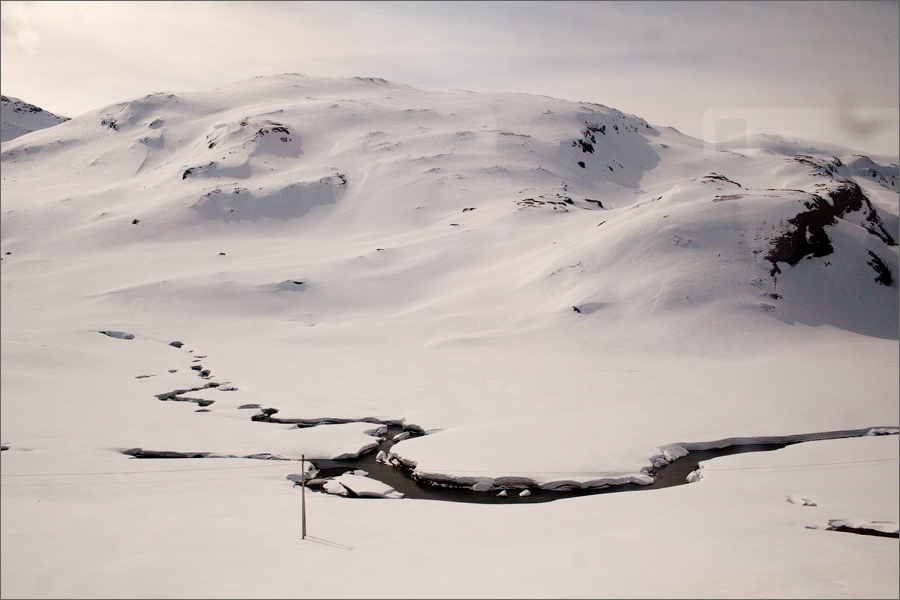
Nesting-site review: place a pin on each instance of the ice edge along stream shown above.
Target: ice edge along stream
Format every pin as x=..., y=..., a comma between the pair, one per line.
x=678, y=464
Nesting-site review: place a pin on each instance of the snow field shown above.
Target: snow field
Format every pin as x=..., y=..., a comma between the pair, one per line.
x=439, y=258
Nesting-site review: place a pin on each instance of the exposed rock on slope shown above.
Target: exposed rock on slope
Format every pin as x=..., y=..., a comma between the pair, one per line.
x=359, y=247
x=578, y=205
x=19, y=118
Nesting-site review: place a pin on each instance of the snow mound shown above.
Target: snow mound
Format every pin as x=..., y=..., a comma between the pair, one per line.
x=334, y=487
x=883, y=526
x=795, y=499
x=365, y=487
x=860, y=526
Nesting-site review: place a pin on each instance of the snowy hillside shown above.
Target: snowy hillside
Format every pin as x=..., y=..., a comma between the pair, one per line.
x=19, y=118
x=559, y=294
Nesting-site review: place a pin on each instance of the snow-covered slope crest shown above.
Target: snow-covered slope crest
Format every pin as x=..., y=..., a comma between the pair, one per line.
x=882, y=170
x=19, y=118
x=439, y=172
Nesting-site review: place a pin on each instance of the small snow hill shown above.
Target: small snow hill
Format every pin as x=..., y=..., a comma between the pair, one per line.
x=20, y=118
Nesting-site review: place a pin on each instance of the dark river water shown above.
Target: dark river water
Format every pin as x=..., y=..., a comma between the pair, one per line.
x=401, y=479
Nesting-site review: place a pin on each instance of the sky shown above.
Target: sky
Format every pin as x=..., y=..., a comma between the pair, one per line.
x=822, y=71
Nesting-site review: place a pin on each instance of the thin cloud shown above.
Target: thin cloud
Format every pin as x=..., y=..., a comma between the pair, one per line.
x=665, y=61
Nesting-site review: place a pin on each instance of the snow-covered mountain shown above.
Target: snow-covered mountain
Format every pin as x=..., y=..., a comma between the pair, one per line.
x=554, y=291
x=378, y=213
x=377, y=159
x=19, y=118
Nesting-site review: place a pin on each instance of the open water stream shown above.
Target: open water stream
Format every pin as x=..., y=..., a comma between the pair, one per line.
x=401, y=478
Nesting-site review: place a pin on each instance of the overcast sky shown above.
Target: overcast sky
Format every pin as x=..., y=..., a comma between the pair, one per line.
x=825, y=71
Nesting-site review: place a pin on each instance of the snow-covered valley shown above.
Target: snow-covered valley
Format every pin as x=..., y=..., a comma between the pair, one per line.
x=553, y=292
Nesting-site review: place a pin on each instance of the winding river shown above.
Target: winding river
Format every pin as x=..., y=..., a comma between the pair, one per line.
x=402, y=480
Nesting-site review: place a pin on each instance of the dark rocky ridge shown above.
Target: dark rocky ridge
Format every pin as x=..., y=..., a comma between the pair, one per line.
x=806, y=235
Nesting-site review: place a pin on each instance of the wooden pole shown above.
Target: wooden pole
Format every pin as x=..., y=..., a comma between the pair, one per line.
x=303, y=494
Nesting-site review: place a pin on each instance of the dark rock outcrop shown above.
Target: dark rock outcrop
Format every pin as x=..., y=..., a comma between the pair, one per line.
x=806, y=234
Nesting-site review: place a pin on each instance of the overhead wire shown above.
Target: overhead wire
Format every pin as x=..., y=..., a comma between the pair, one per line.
x=280, y=463
x=272, y=463
x=133, y=482
x=800, y=467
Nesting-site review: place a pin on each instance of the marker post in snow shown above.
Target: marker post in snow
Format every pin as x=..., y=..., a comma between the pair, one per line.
x=303, y=495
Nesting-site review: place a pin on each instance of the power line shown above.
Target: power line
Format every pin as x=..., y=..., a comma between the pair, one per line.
x=278, y=463
x=135, y=482
x=802, y=466
x=532, y=472
x=708, y=470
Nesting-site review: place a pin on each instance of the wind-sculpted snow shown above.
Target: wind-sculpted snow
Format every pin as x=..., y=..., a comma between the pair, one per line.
x=235, y=203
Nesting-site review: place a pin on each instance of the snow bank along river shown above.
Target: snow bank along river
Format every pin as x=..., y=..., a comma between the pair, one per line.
x=392, y=472
x=379, y=464
x=375, y=471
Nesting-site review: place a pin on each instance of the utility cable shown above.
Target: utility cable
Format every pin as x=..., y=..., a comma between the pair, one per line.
x=281, y=463
x=802, y=466
x=134, y=482
x=273, y=463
